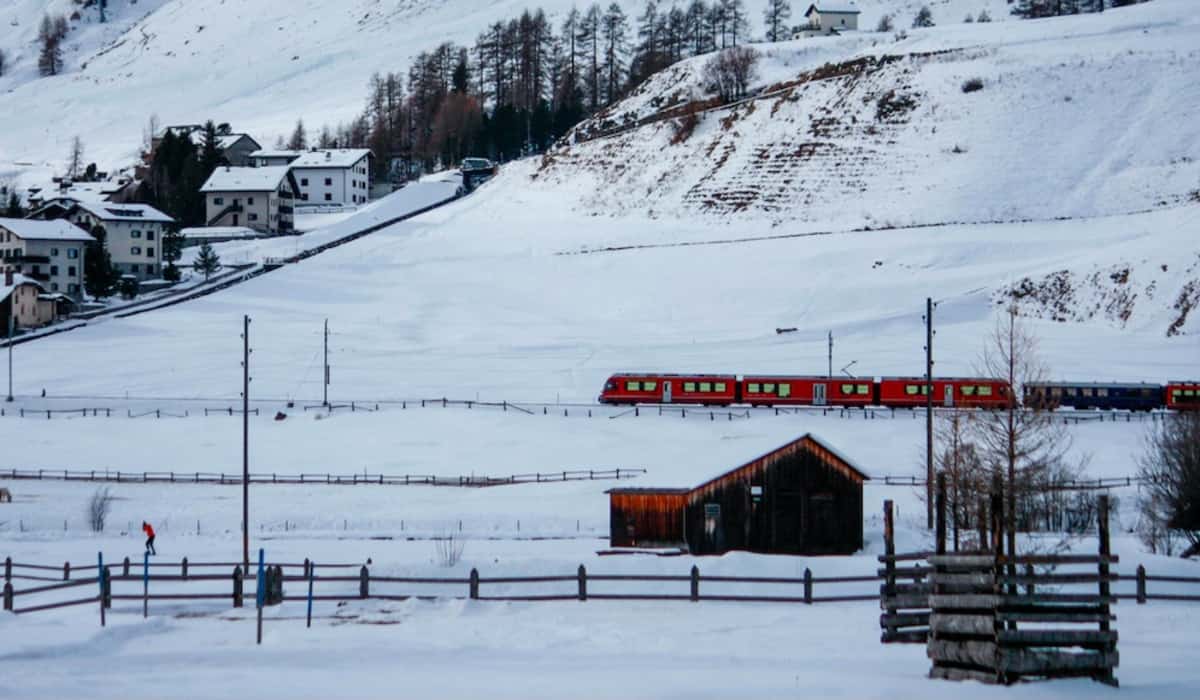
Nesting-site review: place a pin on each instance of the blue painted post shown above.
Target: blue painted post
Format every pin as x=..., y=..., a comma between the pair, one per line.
x=310, y=595
x=260, y=581
x=100, y=579
x=146, y=585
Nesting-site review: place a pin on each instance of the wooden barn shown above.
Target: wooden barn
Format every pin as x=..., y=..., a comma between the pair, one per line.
x=801, y=498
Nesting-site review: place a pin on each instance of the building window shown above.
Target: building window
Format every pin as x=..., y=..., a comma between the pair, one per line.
x=72, y=253
x=54, y=270
x=150, y=269
x=252, y=217
x=304, y=197
x=133, y=268
x=150, y=252
x=135, y=234
x=328, y=197
x=135, y=250
x=149, y=235
x=54, y=252
x=54, y=286
x=250, y=201
x=73, y=288
x=71, y=271
x=304, y=182
x=329, y=182
x=218, y=201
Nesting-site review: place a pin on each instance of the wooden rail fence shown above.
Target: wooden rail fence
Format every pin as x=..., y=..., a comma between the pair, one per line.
x=364, y=479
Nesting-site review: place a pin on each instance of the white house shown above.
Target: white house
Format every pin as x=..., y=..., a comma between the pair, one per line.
x=24, y=303
x=259, y=198
x=828, y=18
x=49, y=252
x=334, y=176
x=266, y=158
x=132, y=233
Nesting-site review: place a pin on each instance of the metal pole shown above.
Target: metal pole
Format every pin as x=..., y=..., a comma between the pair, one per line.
x=11, y=324
x=830, y=354
x=929, y=413
x=246, y=443
x=325, y=399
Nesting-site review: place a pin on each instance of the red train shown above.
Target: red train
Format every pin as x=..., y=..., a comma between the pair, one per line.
x=769, y=390
x=890, y=392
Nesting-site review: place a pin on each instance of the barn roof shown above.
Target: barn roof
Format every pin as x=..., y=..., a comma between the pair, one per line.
x=709, y=472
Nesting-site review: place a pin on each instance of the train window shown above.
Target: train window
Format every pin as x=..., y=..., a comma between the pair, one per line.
x=769, y=388
x=864, y=389
x=752, y=388
x=689, y=386
x=785, y=390
x=1102, y=392
x=633, y=386
x=911, y=389
x=706, y=386
x=720, y=386
x=847, y=389
x=968, y=390
x=1176, y=393
x=649, y=386
x=1056, y=392
x=985, y=391
x=1086, y=391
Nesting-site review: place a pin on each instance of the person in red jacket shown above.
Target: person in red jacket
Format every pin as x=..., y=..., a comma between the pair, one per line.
x=149, y=537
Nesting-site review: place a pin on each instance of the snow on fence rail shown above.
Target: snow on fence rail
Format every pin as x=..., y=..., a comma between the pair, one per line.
x=364, y=479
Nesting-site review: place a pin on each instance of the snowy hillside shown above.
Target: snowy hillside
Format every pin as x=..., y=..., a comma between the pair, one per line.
x=1079, y=116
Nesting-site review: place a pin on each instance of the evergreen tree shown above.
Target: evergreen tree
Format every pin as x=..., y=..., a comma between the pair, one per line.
x=299, y=138
x=776, y=18
x=984, y=17
x=75, y=159
x=100, y=276
x=737, y=24
x=615, y=31
x=210, y=156
x=207, y=261
x=589, y=38
x=885, y=24
x=13, y=209
x=50, y=36
x=924, y=18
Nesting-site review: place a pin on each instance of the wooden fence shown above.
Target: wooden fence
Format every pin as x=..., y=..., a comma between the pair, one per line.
x=364, y=479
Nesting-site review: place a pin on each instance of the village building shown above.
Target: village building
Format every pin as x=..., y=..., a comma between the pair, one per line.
x=259, y=198
x=336, y=176
x=50, y=253
x=268, y=158
x=235, y=148
x=132, y=233
x=828, y=19
x=800, y=498
x=24, y=303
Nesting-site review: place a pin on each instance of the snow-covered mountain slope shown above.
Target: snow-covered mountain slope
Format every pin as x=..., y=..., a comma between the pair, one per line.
x=1077, y=116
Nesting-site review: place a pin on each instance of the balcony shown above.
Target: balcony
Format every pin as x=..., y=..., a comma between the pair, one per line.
x=283, y=209
x=27, y=259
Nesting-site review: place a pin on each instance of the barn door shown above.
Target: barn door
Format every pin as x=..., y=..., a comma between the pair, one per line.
x=948, y=391
x=666, y=395
x=819, y=394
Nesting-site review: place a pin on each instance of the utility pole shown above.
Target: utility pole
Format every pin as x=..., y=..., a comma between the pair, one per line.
x=12, y=313
x=325, y=395
x=830, y=354
x=929, y=413
x=245, y=443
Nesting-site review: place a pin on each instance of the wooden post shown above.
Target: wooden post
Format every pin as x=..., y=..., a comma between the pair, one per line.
x=473, y=585
x=237, y=587
x=1141, y=585
x=309, y=573
x=582, y=583
x=695, y=583
x=1102, y=524
x=889, y=565
x=7, y=568
x=125, y=567
x=941, y=512
x=183, y=569
x=8, y=599
x=808, y=583
x=364, y=583
x=66, y=571
x=146, y=585
x=1029, y=588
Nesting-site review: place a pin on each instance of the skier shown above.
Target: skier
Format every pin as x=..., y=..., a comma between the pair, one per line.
x=149, y=537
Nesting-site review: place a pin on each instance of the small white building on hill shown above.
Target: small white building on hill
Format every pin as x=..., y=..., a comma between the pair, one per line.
x=335, y=176
x=259, y=198
x=23, y=302
x=132, y=233
x=828, y=18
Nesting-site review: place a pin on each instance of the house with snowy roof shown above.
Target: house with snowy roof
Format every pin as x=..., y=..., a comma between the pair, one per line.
x=334, y=176
x=270, y=157
x=828, y=18
x=259, y=198
x=50, y=253
x=132, y=233
x=235, y=148
x=24, y=303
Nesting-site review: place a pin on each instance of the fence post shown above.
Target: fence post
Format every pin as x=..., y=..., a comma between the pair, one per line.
x=1029, y=588
x=237, y=587
x=99, y=578
x=364, y=582
x=66, y=571
x=146, y=585
x=1141, y=584
x=125, y=567
x=309, y=573
x=695, y=583
x=260, y=585
x=889, y=565
x=940, y=501
x=473, y=585
x=1102, y=526
x=582, y=583
x=7, y=568
x=183, y=569
x=808, y=586
x=8, y=600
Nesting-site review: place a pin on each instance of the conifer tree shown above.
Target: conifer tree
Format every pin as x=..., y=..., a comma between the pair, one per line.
x=207, y=261
x=776, y=16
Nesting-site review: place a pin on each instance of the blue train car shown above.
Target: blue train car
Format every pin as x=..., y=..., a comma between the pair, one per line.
x=1094, y=395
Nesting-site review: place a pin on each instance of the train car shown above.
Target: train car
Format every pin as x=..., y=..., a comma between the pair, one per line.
x=966, y=392
x=703, y=389
x=1182, y=396
x=764, y=390
x=1093, y=395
